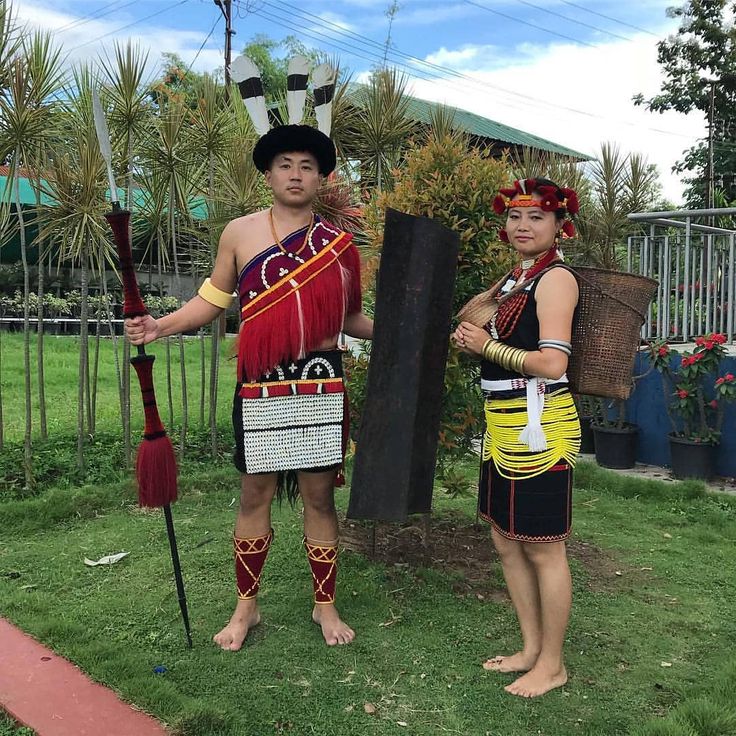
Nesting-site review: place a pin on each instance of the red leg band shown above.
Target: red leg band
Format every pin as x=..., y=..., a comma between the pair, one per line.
x=323, y=561
x=250, y=556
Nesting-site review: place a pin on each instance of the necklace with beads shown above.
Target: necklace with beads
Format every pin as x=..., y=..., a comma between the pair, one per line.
x=509, y=310
x=276, y=237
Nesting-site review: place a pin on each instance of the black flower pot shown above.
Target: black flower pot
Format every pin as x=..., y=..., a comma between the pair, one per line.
x=587, y=438
x=692, y=459
x=614, y=447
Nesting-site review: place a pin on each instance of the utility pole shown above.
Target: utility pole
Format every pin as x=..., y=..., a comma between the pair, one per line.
x=226, y=6
x=711, y=174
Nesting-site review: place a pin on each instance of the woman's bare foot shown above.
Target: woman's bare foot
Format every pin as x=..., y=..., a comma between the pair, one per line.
x=538, y=681
x=334, y=629
x=519, y=662
x=245, y=617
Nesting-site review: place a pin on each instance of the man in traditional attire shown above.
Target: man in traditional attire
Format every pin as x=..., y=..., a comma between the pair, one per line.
x=298, y=281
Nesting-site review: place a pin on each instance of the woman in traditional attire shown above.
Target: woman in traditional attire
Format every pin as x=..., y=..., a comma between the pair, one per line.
x=532, y=432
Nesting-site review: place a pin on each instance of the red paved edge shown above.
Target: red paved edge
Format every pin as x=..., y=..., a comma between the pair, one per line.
x=49, y=694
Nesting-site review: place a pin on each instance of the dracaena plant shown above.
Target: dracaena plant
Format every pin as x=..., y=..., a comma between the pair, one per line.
x=696, y=394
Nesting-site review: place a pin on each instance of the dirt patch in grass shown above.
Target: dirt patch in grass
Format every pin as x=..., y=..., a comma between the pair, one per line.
x=462, y=549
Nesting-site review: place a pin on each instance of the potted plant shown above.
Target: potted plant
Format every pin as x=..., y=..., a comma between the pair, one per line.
x=615, y=437
x=695, y=398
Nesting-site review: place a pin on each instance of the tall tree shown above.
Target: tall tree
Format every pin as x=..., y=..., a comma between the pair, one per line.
x=699, y=64
x=273, y=65
x=33, y=77
x=77, y=186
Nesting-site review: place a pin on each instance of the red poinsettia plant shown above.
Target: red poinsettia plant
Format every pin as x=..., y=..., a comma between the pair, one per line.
x=695, y=394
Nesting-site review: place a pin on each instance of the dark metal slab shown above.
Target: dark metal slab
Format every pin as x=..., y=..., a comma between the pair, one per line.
x=396, y=450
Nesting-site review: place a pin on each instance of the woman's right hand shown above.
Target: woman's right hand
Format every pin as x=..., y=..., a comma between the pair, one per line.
x=141, y=330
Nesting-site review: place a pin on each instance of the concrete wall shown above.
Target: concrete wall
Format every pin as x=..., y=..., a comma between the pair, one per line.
x=646, y=407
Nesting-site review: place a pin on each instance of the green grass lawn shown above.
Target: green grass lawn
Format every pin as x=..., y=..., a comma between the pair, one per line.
x=652, y=628
x=61, y=367
x=55, y=460
x=651, y=635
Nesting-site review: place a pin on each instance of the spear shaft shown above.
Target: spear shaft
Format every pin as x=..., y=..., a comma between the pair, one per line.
x=156, y=462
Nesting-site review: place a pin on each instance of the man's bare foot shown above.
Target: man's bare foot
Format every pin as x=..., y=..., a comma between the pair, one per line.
x=537, y=681
x=334, y=629
x=519, y=662
x=245, y=617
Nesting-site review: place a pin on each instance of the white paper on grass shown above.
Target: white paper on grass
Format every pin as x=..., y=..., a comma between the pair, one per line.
x=106, y=560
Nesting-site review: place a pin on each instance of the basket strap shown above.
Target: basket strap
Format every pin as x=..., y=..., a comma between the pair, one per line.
x=579, y=277
x=521, y=285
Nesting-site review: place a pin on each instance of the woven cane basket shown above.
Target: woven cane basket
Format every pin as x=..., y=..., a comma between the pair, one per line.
x=606, y=330
x=479, y=310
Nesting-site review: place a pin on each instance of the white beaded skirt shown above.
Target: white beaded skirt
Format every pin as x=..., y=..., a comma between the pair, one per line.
x=292, y=418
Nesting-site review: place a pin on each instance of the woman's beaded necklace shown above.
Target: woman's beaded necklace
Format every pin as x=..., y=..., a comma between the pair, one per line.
x=509, y=310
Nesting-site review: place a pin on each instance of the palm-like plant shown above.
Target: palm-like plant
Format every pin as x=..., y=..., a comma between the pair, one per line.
x=26, y=106
x=9, y=45
x=210, y=135
x=167, y=151
x=127, y=80
x=77, y=184
x=10, y=41
x=382, y=128
x=621, y=184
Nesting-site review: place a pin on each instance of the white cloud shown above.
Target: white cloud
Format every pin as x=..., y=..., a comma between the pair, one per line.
x=540, y=96
x=85, y=39
x=336, y=20
x=465, y=57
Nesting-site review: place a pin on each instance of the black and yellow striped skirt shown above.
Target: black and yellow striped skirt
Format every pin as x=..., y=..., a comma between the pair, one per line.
x=528, y=495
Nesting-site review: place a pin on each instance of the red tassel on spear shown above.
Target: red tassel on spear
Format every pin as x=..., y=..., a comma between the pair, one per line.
x=156, y=462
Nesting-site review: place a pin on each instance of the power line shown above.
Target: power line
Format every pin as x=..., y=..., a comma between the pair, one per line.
x=411, y=70
x=573, y=20
x=134, y=23
x=608, y=17
x=531, y=25
x=348, y=36
x=371, y=57
x=93, y=16
x=209, y=35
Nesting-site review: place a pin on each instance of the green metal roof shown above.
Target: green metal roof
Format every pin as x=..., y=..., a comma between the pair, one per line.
x=28, y=196
x=26, y=191
x=421, y=111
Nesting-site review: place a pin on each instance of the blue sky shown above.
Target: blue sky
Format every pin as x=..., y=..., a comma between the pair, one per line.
x=560, y=69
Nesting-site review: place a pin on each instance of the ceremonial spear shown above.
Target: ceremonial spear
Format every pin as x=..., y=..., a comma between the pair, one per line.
x=155, y=466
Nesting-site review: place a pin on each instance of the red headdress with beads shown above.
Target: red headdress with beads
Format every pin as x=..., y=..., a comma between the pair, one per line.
x=561, y=201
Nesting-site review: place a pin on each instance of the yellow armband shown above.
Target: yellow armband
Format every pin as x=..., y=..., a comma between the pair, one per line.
x=210, y=293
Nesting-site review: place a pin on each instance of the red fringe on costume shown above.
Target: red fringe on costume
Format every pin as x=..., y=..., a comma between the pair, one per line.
x=303, y=317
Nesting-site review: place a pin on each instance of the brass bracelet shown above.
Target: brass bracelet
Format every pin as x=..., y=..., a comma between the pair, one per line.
x=217, y=297
x=485, y=351
x=506, y=356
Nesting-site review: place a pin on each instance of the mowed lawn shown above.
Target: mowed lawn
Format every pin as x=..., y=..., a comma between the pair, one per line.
x=61, y=367
x=652, y=625
x=651, y=635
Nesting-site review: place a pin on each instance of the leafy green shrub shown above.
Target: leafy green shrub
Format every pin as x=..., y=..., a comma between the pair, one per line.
x=446, y=180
